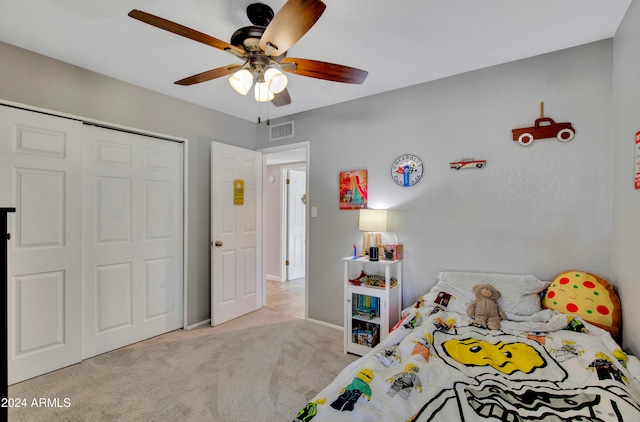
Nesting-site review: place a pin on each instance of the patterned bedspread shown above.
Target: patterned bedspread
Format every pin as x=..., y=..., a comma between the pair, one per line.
x=438, y=366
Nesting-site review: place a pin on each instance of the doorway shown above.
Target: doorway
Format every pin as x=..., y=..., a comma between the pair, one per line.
x=285, y=229
x=294, y=220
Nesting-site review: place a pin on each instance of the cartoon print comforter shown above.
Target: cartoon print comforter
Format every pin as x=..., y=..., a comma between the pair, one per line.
x=438, y=366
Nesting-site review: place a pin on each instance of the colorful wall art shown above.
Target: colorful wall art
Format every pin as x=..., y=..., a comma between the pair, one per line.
x=353, y=189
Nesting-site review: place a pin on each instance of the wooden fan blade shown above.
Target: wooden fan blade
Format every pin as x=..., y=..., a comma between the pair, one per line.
x=323, y=70
x=184, y=31
x=289, y=25
x=282, y=98
x=209, y=75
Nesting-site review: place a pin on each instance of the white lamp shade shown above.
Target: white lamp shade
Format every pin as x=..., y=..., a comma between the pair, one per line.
x=263, y=93
x=373, y=220
x=276, y=80
x=241, y=81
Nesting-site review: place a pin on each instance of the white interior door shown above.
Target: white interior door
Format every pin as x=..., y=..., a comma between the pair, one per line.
x=296, y=224
x=236, y=232
x=133, y=239
x=41, y=176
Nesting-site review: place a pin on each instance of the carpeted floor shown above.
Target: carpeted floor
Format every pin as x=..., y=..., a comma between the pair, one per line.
x=261, y=367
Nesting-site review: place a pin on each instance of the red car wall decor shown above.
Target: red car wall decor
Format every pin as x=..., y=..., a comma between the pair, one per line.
x=467, y=163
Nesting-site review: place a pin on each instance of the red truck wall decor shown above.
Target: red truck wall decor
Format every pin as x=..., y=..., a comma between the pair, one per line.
x=543, y=128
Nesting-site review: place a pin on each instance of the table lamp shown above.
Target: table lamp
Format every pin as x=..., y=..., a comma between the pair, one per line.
x=372, y=222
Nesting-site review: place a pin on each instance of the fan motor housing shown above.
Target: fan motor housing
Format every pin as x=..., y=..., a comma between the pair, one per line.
x=259, y=14
x=248, y=37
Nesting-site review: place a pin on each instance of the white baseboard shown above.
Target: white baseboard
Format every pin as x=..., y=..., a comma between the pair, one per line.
x=198, y=324
x=326, y=324
x=273, y=277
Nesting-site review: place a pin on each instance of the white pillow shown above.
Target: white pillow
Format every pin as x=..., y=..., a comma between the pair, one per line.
x=520, y=292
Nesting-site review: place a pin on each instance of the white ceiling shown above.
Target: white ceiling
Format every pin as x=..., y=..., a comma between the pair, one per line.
x=400, y=43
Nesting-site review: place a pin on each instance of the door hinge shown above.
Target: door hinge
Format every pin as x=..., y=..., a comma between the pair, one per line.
x=286, y=262
x=288, y=181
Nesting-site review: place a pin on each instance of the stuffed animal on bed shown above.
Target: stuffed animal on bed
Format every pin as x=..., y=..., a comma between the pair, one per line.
x=587, y=295
x=485, y=309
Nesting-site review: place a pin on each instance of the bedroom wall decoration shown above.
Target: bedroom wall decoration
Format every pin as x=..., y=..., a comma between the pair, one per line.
x=406, y=170
x=353, y=189
x=544, y=128
x=468, y=163
x=637, y=181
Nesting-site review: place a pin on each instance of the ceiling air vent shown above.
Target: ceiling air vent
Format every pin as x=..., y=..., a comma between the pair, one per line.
x=281, y=131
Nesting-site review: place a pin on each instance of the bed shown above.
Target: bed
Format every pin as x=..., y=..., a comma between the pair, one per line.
x=553, y=359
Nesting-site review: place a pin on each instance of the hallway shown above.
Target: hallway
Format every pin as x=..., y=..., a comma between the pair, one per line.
x=286, y=297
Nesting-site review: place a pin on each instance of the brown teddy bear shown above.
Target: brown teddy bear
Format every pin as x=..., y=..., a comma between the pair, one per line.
x=485, y=309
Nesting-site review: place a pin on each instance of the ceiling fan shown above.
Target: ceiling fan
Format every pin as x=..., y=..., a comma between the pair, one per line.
x=263, y=50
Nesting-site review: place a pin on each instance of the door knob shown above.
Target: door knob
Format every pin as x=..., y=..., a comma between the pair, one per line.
x=218, y=243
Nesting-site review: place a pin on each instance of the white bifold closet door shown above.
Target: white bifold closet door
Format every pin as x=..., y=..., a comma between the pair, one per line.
x=96, y=250
x=132, y=238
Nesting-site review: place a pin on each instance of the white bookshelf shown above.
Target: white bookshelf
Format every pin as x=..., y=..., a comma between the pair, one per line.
x=370, y=312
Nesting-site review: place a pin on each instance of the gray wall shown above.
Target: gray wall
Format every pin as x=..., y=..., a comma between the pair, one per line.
x=39, y=81
x=625, y=248
x=540, y=209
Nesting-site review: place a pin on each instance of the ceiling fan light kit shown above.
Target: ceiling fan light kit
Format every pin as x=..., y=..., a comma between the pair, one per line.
x=268, y=83
x=241, y=81
x=276, y=80
x=263, y=93
x=263, y=47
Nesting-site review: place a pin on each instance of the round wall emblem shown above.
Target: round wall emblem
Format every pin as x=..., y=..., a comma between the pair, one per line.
x=406, y=170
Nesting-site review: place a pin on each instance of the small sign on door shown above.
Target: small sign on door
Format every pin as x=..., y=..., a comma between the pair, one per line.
x=238, y=192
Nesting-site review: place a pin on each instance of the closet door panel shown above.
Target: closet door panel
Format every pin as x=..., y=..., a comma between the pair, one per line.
x=133, y=239
x=41, y=176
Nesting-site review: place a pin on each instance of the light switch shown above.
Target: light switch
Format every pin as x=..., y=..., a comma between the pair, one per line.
x=314, y=211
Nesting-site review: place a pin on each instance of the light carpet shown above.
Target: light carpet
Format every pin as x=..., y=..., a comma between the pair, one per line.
x=262, y=370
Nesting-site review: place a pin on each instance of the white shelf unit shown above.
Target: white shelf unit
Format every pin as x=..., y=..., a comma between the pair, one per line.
x=370, y=312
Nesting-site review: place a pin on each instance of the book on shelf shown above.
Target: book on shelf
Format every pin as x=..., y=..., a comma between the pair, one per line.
x=365, y=305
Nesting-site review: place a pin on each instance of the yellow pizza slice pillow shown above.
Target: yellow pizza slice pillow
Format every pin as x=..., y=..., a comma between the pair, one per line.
x=587, y=295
